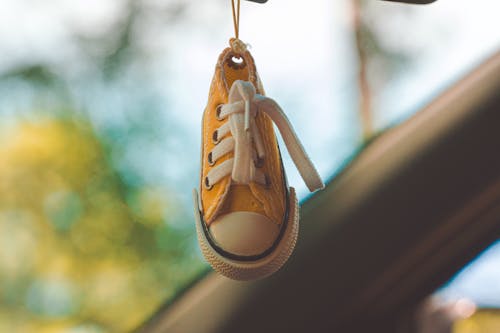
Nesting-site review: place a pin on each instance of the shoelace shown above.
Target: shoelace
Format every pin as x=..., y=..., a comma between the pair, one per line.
x=242, y=108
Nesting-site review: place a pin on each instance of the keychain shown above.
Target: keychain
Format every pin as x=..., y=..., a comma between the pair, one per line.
x=247, y=218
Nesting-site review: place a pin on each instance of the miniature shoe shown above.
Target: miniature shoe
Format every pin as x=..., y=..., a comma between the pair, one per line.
x=247, y=216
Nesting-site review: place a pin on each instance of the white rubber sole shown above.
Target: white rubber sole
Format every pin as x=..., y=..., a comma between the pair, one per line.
x=251, y=270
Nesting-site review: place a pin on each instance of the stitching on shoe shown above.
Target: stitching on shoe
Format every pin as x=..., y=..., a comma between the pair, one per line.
x=221, y=86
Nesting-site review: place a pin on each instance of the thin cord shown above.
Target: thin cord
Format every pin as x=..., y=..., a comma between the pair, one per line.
x=236, y=44
x=236, y=18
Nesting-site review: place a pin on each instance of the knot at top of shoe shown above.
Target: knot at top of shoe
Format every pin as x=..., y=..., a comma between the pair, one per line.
x=237, y=45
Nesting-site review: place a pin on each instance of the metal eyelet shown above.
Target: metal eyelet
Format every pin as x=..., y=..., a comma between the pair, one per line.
x=218, y=110
x=268, y=182
x=215, y=137
x=208, y=186
x=259, y=163
x=210, y=160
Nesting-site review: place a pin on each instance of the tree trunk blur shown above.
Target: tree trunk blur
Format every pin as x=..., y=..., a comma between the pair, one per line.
x=365, y=111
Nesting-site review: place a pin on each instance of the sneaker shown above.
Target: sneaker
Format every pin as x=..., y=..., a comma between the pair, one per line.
x=247, y=216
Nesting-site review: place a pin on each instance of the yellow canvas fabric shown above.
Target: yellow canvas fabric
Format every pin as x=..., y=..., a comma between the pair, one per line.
x=225, y=197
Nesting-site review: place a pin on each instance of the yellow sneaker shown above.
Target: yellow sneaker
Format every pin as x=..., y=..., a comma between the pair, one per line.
x=247, y=216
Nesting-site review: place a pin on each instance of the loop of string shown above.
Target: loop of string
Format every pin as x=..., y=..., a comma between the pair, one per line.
x=236, y=44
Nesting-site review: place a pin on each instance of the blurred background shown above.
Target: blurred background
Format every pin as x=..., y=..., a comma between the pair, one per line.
x=100, y=115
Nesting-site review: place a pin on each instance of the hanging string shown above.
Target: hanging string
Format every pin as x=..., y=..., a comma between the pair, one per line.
x=236, y=18
x=236, y=44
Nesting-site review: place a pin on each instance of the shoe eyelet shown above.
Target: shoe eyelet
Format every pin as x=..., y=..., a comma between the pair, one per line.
x=218, y=110
x=268, y=182
x=259, y=163
x=208, y=186
x=215, y=137
x=237, y=61
x=210, y=160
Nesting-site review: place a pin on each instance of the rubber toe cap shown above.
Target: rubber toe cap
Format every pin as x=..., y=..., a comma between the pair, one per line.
x=244, y=233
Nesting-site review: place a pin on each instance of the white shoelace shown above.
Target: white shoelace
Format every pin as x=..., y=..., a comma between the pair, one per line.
x=242, y=108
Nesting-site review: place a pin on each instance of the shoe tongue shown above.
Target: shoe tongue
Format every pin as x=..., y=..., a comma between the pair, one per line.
x=243, y=91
